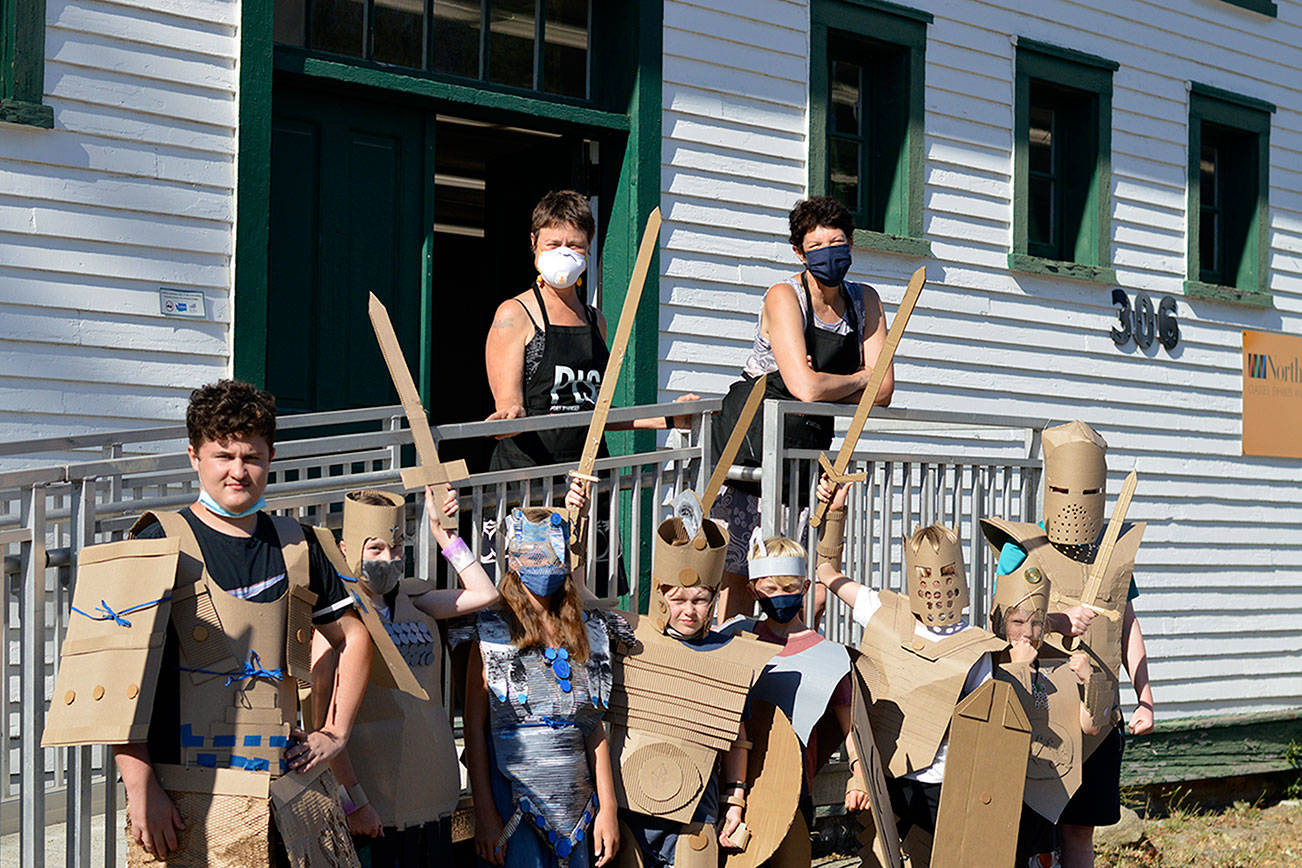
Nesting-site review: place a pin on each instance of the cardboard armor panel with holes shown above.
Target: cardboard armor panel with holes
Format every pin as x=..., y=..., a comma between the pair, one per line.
x=239, y=665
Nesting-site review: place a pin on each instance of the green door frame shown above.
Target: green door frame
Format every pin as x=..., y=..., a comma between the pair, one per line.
x=637, y=191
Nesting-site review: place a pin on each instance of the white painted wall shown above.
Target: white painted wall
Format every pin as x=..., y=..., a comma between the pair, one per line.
x=1221, y=568
x=132, y=191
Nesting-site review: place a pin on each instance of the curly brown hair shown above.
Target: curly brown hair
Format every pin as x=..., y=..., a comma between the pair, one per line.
x=560, y=207
x=527, y=624
x=230, y=408
x=816, y=211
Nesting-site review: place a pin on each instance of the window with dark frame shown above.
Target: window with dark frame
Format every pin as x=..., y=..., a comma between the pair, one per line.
x=1062, y=177
x=866, y=119
x=533, y=45
x=1229, y=147
x=22, y=64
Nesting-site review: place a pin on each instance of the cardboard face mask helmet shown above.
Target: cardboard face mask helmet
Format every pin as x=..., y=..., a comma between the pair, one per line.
x=537, y=541
x=1027, y=590
x=937, y=583
x=688, y=553
x=363, y=521
x=1075, y=479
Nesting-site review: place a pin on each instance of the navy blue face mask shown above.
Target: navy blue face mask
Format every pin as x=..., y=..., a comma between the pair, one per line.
x=543, y=582
x=829, y=264
x=783, y=607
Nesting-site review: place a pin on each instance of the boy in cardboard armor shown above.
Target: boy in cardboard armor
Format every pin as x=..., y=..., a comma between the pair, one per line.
x=1052, y=688
x=233, y=626
x=536, y=691
x=925, y=657
x=400, y=771
x=678, y=706
x=1063, y=549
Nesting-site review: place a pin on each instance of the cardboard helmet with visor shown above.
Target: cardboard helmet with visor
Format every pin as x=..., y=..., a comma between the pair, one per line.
x=935, y=579
x=1075, y=482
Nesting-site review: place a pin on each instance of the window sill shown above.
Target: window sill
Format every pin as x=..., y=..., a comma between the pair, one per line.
x=886, y=243
x=1029, y=264
x=1265, y=7
x=1227, y=294
x=31, y=114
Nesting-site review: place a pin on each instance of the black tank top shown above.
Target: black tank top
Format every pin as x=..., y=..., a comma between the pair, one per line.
x=566, y=380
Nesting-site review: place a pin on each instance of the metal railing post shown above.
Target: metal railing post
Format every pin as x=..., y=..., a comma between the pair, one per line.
x=771, y=472
x=82, y=534
x=31, y=715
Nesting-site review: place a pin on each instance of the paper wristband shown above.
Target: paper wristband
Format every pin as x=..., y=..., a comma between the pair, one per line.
x=458, y=554
x=358, y=795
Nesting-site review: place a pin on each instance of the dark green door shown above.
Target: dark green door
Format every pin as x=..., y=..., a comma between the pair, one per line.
x=347, y=203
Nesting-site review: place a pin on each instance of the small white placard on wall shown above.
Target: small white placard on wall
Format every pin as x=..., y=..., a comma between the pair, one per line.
x=181, y=302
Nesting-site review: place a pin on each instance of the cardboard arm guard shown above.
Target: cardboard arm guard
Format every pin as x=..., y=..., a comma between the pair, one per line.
x=831, y=539
x=111, y=655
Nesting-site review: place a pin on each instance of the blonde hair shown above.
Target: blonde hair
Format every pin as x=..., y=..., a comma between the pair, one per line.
x=781, y=546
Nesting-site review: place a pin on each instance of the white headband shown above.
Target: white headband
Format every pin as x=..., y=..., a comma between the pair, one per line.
x=763, y=566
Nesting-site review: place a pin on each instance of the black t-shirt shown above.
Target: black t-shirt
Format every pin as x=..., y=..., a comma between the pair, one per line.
x=251, y=568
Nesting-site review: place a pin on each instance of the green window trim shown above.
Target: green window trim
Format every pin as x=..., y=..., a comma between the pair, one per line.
x=1265, y=7
x=899, y=27
x=22, y=64
x=1249, y=115
x=1079, y=71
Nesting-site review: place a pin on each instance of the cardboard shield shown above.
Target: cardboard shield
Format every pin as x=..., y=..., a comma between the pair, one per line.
x=880, y=837
x=111, y=655
x=1051, y=698
x=985, y=772
x=775, y=769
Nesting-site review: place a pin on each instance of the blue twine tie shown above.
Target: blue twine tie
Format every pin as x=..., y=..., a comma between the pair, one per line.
x=117, y=617
x=251, y=669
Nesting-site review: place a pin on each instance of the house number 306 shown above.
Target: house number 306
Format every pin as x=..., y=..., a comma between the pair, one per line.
x=1141, y=323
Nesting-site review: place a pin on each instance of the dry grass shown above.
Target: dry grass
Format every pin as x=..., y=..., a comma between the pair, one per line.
x=1242, y=836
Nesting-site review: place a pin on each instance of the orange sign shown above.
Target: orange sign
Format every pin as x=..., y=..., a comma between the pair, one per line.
x=1272, y=395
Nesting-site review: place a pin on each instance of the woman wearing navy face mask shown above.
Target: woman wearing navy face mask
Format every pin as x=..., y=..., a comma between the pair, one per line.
x=539, y=764
x=817, y=337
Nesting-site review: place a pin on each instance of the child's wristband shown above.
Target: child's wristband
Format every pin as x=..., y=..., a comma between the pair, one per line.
x=358, y=797
x=458, y=554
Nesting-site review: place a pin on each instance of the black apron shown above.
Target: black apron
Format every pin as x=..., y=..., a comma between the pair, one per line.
x=567, y=380
x=831, y=354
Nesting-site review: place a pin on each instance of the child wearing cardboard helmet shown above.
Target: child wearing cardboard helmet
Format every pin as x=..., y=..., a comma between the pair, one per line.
x=809, y=678
x=1064, y=548
x=1054, y=690
x=928, y=658
x=399, y=774
x=539, y=763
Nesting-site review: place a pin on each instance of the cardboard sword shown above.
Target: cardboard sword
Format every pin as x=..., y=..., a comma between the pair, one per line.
x=429, y=470
x=1099, y=569
x=610, y=377
x=836, y=472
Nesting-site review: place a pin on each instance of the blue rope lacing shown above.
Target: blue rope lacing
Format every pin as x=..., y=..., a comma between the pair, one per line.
x=252, y=669
x=106, y=613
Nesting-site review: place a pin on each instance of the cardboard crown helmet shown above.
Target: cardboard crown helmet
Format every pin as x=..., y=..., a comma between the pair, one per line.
x=936, y=580
x=689, y=552
x=371, y=513
x=1026, y=589
x=537, y=541
x=1075, y=480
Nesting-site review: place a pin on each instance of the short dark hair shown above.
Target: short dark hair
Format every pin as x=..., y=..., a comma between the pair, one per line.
x=230, y=408
x=563, y=206
x=816, y=211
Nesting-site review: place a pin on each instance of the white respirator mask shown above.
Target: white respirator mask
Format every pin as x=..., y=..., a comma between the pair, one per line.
x=561, y=267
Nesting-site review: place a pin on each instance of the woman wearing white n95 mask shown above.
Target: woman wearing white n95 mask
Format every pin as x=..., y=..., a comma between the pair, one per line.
x=546, y=351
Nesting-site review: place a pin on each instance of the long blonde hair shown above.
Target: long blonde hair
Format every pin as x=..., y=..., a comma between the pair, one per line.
x=528, y=625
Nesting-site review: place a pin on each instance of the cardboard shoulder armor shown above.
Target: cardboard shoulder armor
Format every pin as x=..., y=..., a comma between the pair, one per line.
x=388, y=669
x=673, y=711
x=1051, y=696
x=981, y=796
x=915, y=682
x=689, y=551
x=1067, y=577
x=110, y=658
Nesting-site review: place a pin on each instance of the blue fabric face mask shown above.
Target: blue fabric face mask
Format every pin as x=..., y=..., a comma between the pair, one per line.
x=829, y=264
x=210, y=504
x=543, y=581
x=783, y=607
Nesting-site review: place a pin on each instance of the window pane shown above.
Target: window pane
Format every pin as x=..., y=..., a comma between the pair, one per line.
x=456, y=37
x=337, y=26
x=843, y=173
x=847, y=92
x=565, y=47
x=398, y=32
x=1209, y=251
x=291, y=22
x=510, y=47
x=1039, y=226
x=1209, y=188
x=1041, y=139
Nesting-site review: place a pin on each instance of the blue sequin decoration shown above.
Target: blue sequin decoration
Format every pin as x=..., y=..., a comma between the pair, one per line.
x=563, y=848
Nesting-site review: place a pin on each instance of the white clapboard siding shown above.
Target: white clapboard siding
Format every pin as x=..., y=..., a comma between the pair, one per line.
x=132, y=191
x=1221, y=568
